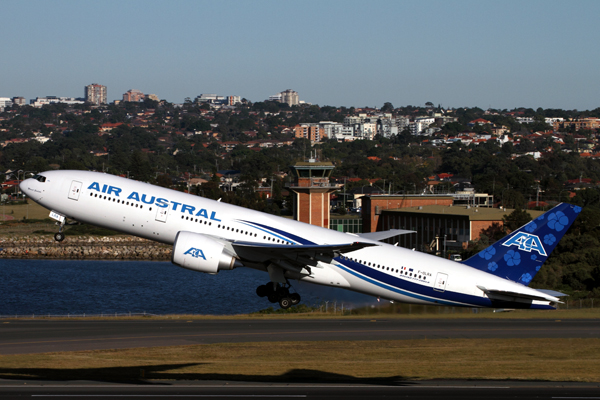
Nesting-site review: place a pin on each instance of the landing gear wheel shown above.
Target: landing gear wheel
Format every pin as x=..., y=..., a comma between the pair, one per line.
x=59, y=236
x=295, y=298
x=285, y=302
x=273, y=298
x=262, y=291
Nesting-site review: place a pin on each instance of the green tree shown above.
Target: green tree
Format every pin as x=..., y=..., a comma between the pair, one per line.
x=516, y=219
x=387, y=107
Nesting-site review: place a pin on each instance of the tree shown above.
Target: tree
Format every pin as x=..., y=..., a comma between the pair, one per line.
x=516, y=219
x=387, y=107
x=494, y=232
x=140, y=167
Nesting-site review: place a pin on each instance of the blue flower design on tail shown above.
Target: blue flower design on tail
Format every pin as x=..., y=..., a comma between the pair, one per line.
x=530, y=227
x=549, y=239
x=512, y=258
x=557, y=221
x=492, y=266
x=487, y=253
x=526, y=278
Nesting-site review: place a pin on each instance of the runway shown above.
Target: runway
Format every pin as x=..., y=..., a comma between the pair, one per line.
x=41, y=336
x=217, y=390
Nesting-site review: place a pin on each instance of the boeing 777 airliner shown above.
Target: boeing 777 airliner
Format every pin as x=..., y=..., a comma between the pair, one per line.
x=210, y=236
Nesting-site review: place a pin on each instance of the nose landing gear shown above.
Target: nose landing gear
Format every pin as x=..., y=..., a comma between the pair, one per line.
x=59, y=236
x=277, y=293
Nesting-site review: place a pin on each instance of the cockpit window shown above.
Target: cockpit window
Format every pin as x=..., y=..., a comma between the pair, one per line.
x=39, y=178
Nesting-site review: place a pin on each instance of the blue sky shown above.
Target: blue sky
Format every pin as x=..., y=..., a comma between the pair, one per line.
x=500, y=54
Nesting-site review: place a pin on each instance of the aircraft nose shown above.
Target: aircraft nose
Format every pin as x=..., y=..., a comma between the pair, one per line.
x=28, y=187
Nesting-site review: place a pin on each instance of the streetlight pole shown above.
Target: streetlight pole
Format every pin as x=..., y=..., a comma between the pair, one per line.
x=507, y=188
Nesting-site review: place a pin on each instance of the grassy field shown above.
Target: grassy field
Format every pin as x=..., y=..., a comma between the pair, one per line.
x=30, y=211
x=320, y=362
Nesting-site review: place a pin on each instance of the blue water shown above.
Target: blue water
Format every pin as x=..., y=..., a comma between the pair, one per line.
x=94, y=287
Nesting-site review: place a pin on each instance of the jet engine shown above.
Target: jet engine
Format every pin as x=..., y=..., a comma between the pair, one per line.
x=201, y=253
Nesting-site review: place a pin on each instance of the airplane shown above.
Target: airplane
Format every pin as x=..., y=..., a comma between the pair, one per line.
x=210, y=236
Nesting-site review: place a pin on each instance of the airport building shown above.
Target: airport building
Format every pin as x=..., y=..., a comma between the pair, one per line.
x=441, y=226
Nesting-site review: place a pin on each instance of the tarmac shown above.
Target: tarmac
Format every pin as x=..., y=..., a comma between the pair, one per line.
x=40, y=336
x=424, y=390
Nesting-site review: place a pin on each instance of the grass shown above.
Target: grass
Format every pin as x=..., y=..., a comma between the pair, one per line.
x=31, y=211
x=327, y=361
x=584, y=313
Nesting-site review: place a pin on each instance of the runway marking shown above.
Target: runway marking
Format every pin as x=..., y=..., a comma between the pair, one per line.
x=175, y=395
x=426, y=332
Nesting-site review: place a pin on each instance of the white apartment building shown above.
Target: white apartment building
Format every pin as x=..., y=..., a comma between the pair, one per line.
x=4, y=103
x=417, y=127
x=337, y=131
x=387, y=127
x=551, y=121
x=41, y=101
x=525, y=120
x=366, y=130
x=20, y=101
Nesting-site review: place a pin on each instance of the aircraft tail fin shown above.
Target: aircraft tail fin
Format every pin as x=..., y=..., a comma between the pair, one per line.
x=520, y=255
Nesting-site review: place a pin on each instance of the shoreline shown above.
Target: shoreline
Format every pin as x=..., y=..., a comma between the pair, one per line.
x=84, y=247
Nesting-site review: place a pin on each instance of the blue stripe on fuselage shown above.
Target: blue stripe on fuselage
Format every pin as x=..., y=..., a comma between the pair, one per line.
x=409, y=289
x=288, y=236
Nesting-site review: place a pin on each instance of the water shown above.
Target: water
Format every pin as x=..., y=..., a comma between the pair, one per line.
x=94, y=287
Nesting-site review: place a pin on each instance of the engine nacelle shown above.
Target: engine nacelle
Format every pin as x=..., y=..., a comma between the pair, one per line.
x=201, y=253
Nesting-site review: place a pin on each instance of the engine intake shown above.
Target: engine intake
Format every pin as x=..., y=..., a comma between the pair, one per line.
x=201, y=253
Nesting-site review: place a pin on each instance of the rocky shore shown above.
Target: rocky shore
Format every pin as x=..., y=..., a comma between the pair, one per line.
x=84, y=247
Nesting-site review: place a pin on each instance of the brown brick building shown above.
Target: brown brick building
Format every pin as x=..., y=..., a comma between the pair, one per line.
x=438, y=224
x=374, y=205
x=313, y=132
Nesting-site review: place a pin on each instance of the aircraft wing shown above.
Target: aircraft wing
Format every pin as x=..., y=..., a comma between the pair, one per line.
x=509, y=295
x=384, y=234
x=293, y=257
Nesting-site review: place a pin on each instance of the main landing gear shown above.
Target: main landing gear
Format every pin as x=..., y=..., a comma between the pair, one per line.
x=277, y=293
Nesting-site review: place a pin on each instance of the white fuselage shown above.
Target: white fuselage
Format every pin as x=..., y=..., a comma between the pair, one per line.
x=157, y=213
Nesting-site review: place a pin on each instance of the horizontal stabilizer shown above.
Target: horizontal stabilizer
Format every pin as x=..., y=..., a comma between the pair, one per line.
x=552, y=292
x=509, y=295
x=384, y=234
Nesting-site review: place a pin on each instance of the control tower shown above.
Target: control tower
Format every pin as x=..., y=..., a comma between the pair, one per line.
x=312, y=192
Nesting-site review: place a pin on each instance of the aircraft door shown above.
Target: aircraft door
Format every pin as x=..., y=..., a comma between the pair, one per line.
x=75, y=190
x=161, y=214
x=440, y=282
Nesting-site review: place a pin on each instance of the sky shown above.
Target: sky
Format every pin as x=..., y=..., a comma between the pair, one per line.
x=456, y=53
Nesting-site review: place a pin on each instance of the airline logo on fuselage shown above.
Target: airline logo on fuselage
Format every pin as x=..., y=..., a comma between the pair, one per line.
x=194, y=252
x=157, y=201
x=526, y=242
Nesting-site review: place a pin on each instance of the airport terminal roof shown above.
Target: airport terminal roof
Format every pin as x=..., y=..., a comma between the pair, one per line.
x=474, y=213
